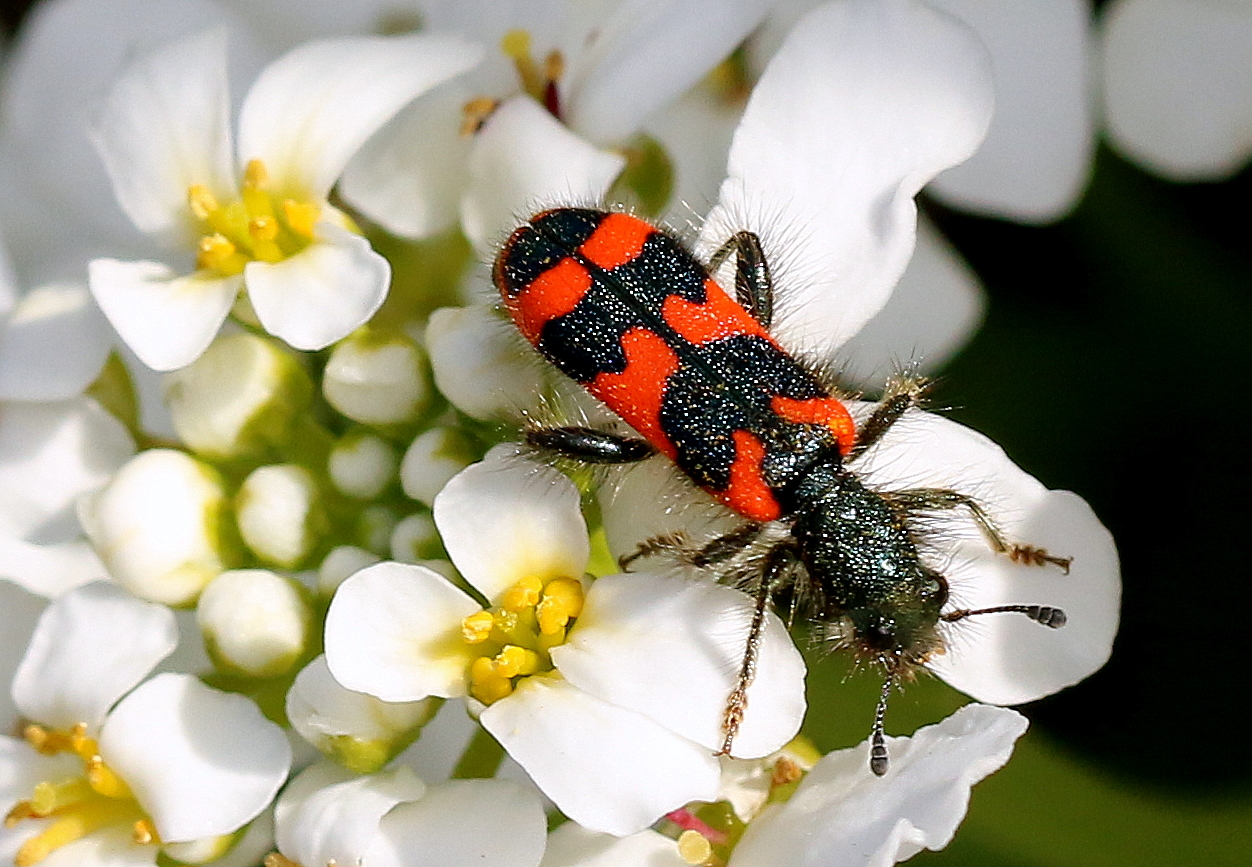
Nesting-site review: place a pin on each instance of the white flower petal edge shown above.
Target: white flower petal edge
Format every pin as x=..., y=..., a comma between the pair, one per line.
x=843, y=815
x=52, y=344
x=934, y=309
x=200, y=762
x=50, y=570
x=360, y=83
x=524, y=159
x=865, y=102
x=89, y=648
x=507, y=518
x=463, y=823
x=393, y=631
x=605, y=767
x=1006, y=658
x=1178, y=86
x=328, y=815
x=1037, y=156
x=168, y=319
x=21, y=609
x=669, y=647
x=646, y=54
x=322, y=293
x=165, y=126
x=572, y=845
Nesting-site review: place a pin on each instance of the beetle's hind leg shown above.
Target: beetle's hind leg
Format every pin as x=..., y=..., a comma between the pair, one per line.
x=713, y=553
x=902, y=394
x=940, y=499
x=754, y=285
x=589, y=445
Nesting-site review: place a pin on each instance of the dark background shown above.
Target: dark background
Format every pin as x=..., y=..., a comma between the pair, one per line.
x=1114, y=363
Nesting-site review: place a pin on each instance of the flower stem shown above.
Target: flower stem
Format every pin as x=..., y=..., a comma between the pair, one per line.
x=481, y=758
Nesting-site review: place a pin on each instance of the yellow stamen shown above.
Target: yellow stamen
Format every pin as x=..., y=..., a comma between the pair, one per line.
x=218, y=254
x=274, y=859
x=144, y=833
x=477, y=627
x=516, y=46
x=301, y=217
x=201, y=201
x=694, y=847
x=523, y=594
x=105, y=781
x=475, y=114
x=74, y=825
x=486, y=684
x=255, y=175
x=553, y=66
x=21, y=810
x=562, y=602
x=48, y=797
x=263, y=228
x=513, y=661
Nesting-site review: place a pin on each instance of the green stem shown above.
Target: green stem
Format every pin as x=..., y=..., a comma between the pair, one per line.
x=481, y=758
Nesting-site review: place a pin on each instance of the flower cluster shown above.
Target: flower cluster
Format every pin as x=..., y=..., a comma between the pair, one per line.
x=277, y=584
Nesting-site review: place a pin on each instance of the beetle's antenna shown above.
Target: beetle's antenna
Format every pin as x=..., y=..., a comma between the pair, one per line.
x=1045, y=614
x=877, y=743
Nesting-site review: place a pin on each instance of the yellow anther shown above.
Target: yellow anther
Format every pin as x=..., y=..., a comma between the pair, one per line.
x=255, y=175
x=486, y=684
x=301, y=217
x=785, y=771
x=105, y=781
x=562, y=602
x=49, y=797
x=218, y=254
x=73, y=825
x=694, y=847
x=513, y=661
x=516, y=44
x=476, y=627
x=523, y=594
x=274, y=859
x=201, y=201
x=553, y=66
x=21, y=810
x=144, y=833
x=263, y=228
x=475, y=114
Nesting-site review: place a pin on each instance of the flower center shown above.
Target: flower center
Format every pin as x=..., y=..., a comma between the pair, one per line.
x=512, y=640
x=76, y=805
x=539, y=80
x=258, y=226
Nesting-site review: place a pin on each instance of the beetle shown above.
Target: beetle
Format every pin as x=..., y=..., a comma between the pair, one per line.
x=625, y=310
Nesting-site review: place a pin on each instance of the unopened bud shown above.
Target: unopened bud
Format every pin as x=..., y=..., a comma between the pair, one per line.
x=415, y=538
x=478, y=363
x=361, y=464
x=279, y=515
x=254, y=622
x=376, y=381
x=432, y=459
x=340, y=564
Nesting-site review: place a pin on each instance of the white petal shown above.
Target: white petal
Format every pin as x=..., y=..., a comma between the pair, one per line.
x=669, y=647
x=1006, y=658
x=1037, y=156
x=463, y=823
x=323, y=292
x=327, y=815
x=481, y=364
x=844, y=816
x=1178, y=86
x=168, y=319
x=53, y=344
x=934, y=310
x=523, y=160
x=647, y=53
x=393, y=631
x=49, y=570
x=865, y=102
x=311, y=110
x=166, y=126
x=572, y=845
x=324, y=712
x=605, y=767
x=91, y=646
x=409, y=176
x=21, y=614
x=200, y=762
x=109, y=847
x=505, y=519
x=50, y=454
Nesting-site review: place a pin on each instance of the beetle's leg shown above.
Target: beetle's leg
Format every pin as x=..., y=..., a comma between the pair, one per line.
x=939, y=499
x=754, y=287
x=779, y=560
x=717, y=551
x=902, y=394
x=589, y=445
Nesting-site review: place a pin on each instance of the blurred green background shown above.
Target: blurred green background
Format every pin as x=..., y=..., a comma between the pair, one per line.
x=1113, y=363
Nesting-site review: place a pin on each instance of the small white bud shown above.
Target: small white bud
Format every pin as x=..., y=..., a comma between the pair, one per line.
x=376, y=381
x=480, y=364
x=340, y=564
x=254, y=621
x=431, y=460
x=414, y=538
x=157, y=525
x=359, y=731
x=238, y=398
x=277, y=512
x=361, y=464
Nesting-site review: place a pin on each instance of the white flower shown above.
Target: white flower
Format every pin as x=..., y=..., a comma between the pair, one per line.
x=392, y=819
x=101, y=781
x=50, y=455
x=53, y=342
x=841, y=815
x=263, y=223
x=1178, y=85
x=610, y=697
